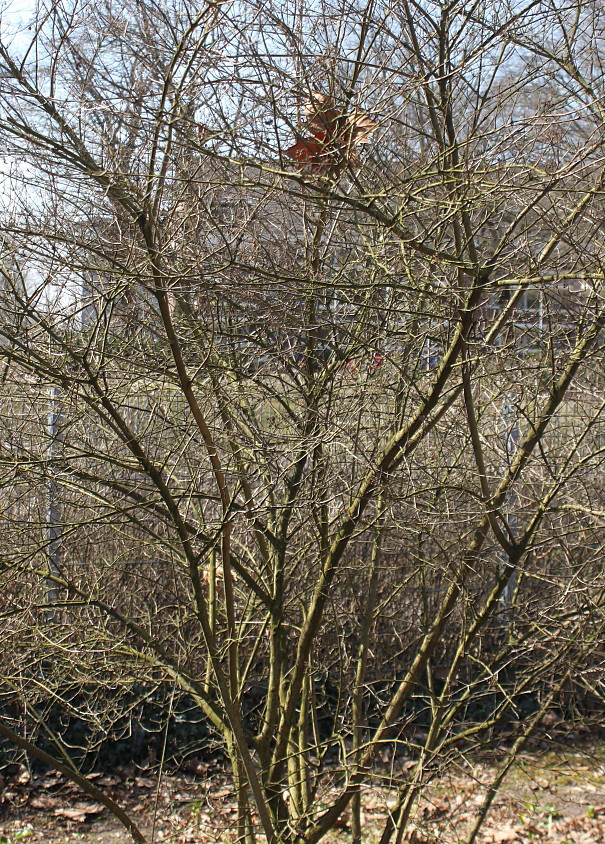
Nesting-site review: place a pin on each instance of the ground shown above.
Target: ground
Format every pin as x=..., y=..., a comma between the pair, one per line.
x=550, y=797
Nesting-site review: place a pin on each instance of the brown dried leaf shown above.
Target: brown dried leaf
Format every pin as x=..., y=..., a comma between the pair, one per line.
x=108, y=779
x=42, y=802
x=73, y=788
x=79, y=811
x=505, y=833
x=22, y=777
x=145, y=782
